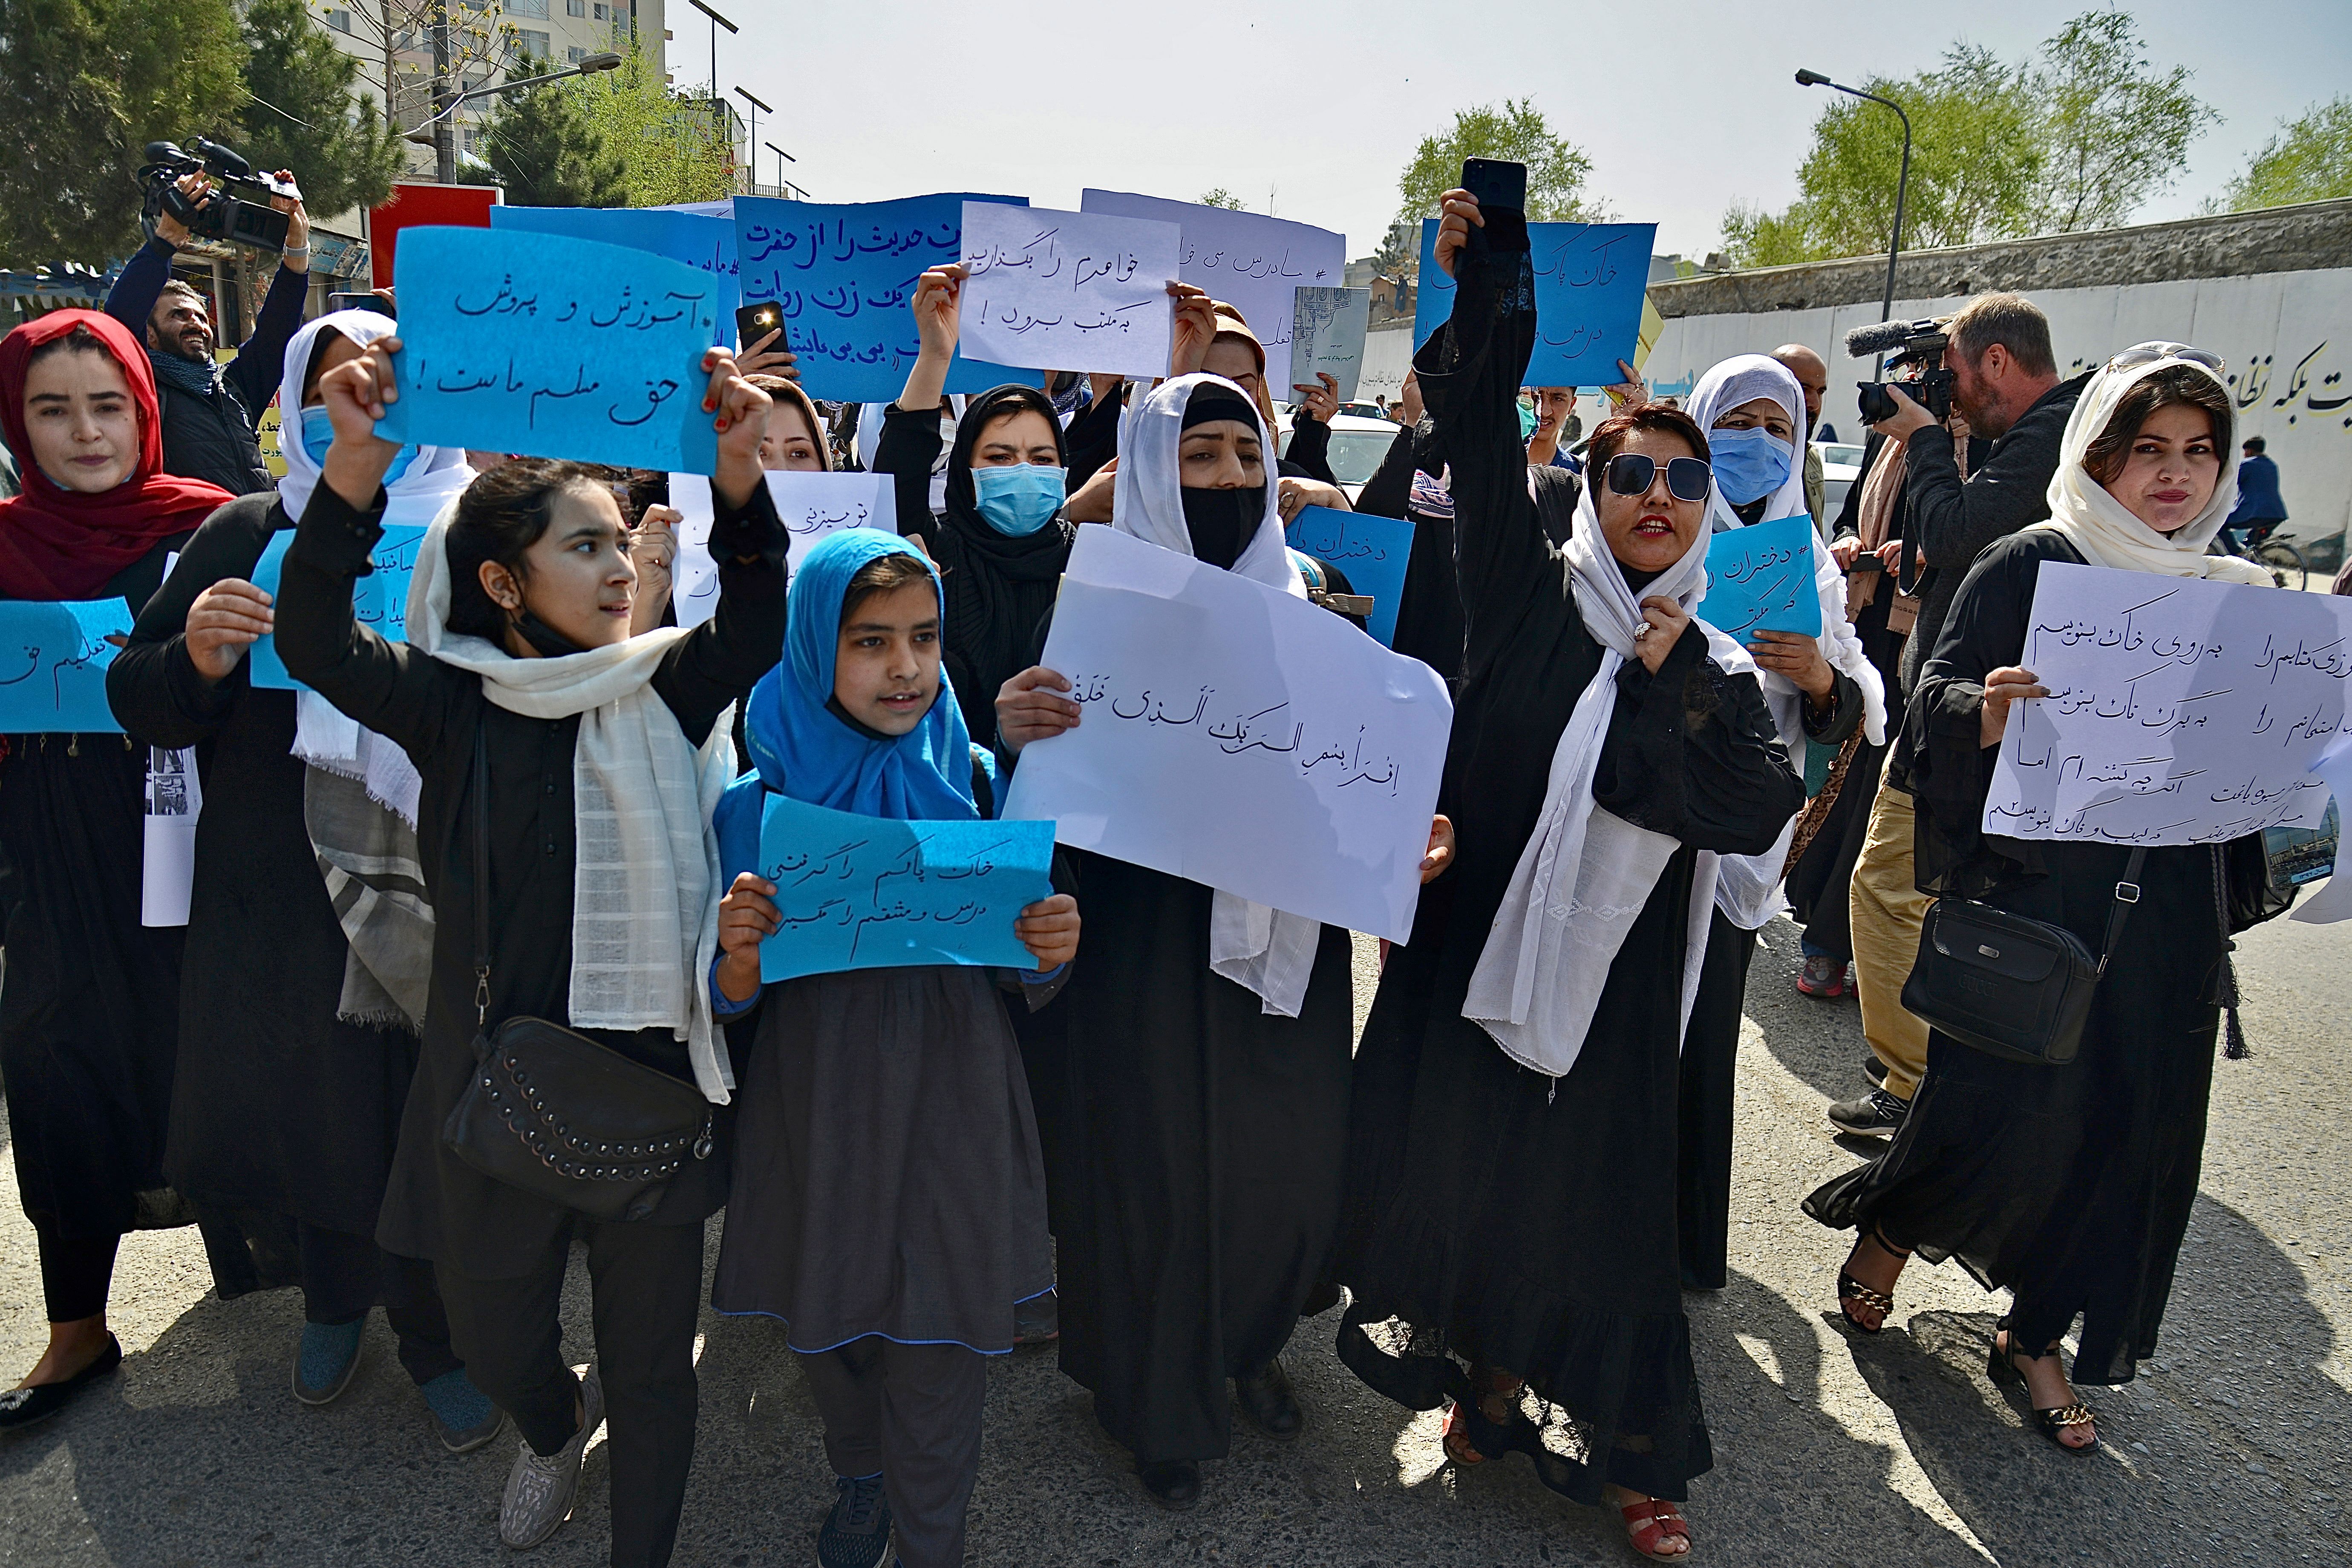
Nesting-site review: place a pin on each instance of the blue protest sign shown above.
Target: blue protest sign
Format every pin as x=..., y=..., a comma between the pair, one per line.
x=845, y=275
x=1590, y=281
x=53, y=659
x=1760, y=579
x=379, y=601
x=872, y=892
x=553, y=347
x=1371, y=551
x=701, y=241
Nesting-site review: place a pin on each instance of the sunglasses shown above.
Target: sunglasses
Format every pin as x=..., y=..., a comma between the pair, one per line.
x=1630, y=474
x=2150, y=353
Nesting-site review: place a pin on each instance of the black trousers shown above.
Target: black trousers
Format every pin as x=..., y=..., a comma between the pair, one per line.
x=344, y=1275
x=645, y=1284
x=911, y=1413
x=1710, y=1070
x=75, y=1275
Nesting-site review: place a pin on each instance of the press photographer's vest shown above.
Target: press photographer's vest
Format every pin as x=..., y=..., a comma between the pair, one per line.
x=213, y=439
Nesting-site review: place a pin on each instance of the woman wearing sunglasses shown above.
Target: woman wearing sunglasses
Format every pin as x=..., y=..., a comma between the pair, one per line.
x=1509, y=1233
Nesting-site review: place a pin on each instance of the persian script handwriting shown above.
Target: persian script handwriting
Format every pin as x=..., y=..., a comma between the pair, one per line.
x=622, y=410
x=837, y=889
x=627, y=312
x=1236, y=732
x=839, y=240
x=53, y=673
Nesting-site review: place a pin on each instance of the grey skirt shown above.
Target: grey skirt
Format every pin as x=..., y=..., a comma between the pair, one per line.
x=887, y=1178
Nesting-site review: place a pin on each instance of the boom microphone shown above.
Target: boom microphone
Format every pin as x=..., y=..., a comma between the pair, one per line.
x=1881, y=336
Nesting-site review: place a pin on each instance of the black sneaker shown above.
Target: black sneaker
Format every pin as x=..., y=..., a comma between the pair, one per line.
x=856, y=1533
x=1877, y=1114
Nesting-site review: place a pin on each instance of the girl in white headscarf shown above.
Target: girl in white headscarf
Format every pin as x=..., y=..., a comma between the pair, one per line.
x=294, y=1062
x=1198, y=1179
x=1820, y=689
x=2069, y=1186
x=1509, y=1230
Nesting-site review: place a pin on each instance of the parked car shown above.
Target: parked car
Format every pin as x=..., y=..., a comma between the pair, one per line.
x=1841, y=468
x=1364, y=411
x=1357, y=446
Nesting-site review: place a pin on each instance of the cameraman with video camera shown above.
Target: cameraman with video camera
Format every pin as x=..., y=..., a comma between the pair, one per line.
x=211, y=411
x=1999, y=374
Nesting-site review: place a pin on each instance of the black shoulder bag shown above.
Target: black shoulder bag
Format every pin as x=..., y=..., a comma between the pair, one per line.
x=2011, y=987
x=555, y=1113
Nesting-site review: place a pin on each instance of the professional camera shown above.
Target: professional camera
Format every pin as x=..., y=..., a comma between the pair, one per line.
x=1921, y=341
x=239, y=212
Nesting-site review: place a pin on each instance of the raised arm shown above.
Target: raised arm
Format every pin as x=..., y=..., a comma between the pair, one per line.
x=910, y=427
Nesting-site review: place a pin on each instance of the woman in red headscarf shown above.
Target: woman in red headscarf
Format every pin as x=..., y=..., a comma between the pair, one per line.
x=88, y=1016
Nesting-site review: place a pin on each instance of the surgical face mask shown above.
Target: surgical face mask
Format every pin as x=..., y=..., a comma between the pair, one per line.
x=1749, y=464
x=319, y=433
x=1020, y=498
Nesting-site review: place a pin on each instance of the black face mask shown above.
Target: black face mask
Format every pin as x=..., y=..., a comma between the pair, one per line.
x=551, y=643
x=1222, y=522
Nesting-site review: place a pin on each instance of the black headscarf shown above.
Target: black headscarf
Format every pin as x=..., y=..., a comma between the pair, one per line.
x=998, y=587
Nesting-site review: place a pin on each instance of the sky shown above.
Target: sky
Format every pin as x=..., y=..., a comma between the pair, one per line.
x=1683, y=106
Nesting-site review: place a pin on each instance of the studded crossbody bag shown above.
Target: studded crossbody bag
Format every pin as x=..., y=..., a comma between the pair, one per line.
x=555, y=1113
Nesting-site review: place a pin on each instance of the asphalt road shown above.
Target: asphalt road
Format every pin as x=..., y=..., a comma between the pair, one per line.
x=1831, y=1449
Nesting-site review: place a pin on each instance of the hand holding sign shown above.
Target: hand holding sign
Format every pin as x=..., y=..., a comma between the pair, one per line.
x=1761, y=578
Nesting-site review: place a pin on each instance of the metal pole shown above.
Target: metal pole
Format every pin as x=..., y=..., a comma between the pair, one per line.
x=445, y=136
x=1902, y=187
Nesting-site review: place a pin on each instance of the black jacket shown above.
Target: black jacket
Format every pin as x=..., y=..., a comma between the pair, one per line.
x=1951, y=523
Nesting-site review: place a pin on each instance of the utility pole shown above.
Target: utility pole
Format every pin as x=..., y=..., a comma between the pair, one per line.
x=444, y=135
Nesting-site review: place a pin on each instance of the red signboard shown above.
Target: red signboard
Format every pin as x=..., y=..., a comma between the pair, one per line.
x=458, y=207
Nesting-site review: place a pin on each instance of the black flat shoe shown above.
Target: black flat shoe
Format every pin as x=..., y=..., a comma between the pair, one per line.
x=1265, y=1397
x=1174, y=1484
x=21, y=1407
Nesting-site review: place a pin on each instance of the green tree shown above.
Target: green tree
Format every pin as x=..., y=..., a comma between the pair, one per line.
x=546, y=149
x=2114, y=130
x=1221, y=197
x=301, y=112
x=670, y=147
x=1399, y=250
x=1515, y=133
x=92, y=82
x=2309, y=160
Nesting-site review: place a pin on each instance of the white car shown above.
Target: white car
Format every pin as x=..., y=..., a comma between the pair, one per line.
x=1357, y=446
x=1841, y=467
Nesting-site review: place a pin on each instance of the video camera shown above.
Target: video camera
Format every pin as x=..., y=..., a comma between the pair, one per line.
x=1923, y=340
x=239, y=212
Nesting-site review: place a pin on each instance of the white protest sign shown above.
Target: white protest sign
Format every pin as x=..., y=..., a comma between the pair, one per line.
x=2181, y=711
x=811, y=505
x=1057, y=290
x=1238, y=737
x=1326, y=337
x=1247, y=260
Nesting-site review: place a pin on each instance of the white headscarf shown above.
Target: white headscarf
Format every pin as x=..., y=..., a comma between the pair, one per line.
x=1586, y=873
x=1266, y=949
x=323, y=737
x=1749, y=890
x=2101, y=526
x=645, y=884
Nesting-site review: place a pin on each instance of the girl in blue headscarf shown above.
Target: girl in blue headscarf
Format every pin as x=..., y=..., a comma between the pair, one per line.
x=889, y=1200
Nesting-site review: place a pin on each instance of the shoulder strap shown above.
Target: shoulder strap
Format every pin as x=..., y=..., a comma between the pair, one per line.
x=481, y=803
x=2127, y=895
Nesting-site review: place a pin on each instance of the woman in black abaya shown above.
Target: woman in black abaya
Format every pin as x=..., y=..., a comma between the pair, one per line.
x=1511, y=1161
x=2069, y=1186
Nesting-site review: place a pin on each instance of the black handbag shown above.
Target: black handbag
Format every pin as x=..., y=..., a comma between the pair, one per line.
x=554, y=1113
x=2012, y=987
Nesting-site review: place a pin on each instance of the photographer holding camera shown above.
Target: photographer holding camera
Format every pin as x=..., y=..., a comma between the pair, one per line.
x=2003, y=379
x=211, y=411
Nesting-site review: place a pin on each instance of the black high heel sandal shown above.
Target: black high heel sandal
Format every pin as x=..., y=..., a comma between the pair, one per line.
x=1849, y=1289
x=2001, y=1366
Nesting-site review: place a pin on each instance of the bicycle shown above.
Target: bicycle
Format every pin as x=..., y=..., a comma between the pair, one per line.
x=2281, y=559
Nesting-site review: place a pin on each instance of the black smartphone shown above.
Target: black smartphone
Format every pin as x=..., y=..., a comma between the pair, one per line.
x=1496, y=184
x=1866, y=561
x=753, y=323
x=380, y=303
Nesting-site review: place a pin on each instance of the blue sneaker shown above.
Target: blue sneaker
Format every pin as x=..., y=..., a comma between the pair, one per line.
x=326, y=1360
x=467, y=1416
x=856, y=1533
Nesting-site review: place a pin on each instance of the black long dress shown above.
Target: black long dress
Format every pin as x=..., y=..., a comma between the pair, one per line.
x=436, y=1206
x=1493, y=1213
x=90, y=1009
x=2069, y=1186
x=278, y=1108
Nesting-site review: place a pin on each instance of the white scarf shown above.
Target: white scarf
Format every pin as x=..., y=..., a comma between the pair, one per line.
x=645, y=884
x=1268, y=951
x=323, y=737
x=1586, y=873
x=2101, y=528
x=1749, y=890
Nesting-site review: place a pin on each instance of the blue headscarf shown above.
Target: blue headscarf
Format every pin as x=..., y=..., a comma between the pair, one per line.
x=808, y=751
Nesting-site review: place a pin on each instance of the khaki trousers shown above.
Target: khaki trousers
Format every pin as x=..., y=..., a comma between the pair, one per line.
x=1887, y=911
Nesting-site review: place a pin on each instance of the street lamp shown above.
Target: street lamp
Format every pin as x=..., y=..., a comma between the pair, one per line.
x=717, y=22
x=752, y=140
x=425, y=136
x=782, y=158
x=1902, y=182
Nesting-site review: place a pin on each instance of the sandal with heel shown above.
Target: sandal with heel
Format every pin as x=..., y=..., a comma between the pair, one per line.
x=2001, y=1366
x=1849, y=1289
x=1649, y=1522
